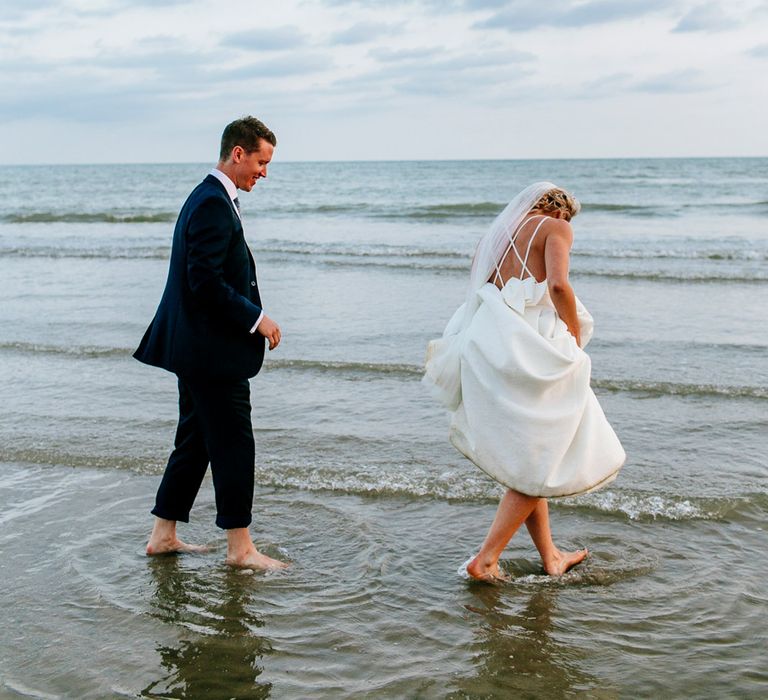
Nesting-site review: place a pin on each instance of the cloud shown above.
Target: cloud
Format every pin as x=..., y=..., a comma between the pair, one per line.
x=151, y=76
x=759, y=51
x=158, y=60
x=363, y=32
x=280, y=67
x=607, y=86
x=386, y=55
x=88, y=101
x=72, y=8
x=521, y=15
x=707, y=17
x=17, y=10
x=266, y=39
x=676, y=82
x=130, y=65
x=670, y=83
x=163, y=58
x=472, y=75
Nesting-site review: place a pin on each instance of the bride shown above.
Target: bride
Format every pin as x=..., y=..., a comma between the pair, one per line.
x=511, y=369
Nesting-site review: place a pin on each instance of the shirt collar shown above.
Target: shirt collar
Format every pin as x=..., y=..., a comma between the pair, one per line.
x=229, y=186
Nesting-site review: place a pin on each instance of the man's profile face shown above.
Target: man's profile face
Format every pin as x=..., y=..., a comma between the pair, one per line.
x=250, y=167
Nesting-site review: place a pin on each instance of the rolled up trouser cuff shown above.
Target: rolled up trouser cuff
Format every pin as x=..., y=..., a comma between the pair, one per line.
x=230, y=522
x=167, y=515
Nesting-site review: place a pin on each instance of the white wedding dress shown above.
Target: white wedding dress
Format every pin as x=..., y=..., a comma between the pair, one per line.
x=525, y=412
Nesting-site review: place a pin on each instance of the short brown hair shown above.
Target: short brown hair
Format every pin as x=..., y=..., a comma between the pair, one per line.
x=558, y=200
x=246, y=133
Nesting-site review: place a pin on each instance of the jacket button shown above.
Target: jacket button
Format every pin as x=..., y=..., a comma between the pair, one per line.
x=253, y=284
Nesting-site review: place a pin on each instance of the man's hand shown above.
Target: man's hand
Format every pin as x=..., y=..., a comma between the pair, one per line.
x=270, y=330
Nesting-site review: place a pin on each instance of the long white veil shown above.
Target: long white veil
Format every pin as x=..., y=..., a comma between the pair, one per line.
x=443, y=365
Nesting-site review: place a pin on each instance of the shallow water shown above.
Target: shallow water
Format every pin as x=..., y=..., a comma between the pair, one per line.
x=358, y=486
x=372, y=603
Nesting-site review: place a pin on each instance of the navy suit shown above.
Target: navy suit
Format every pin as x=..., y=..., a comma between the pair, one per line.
x=201, y=332
x=211, y=298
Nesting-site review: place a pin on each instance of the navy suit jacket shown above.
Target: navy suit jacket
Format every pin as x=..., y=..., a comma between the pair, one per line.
x=211, y=299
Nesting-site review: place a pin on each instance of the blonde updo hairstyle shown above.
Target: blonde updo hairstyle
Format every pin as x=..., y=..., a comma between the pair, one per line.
x=558, y=200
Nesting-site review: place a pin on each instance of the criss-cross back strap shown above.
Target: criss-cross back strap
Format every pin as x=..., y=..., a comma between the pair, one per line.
x=528, y=250
x=513, y=247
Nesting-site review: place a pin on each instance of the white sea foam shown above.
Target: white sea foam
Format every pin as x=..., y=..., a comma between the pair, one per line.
x=640, y=506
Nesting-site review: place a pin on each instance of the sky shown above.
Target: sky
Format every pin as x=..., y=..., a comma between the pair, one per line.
x=113, y=81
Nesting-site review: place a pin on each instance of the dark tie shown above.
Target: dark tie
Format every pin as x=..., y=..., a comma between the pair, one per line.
x=237, y=204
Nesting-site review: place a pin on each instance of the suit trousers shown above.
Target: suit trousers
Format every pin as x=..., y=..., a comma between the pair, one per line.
x=214, y=427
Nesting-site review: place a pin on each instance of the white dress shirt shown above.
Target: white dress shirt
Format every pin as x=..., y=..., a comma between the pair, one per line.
x=231, y=189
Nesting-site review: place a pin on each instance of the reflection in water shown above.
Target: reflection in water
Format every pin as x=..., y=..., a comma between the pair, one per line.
x=516, y=650
x=219, y=653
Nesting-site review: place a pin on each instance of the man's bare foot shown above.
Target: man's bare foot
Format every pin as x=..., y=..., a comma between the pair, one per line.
x=163, y=540
x=242, y=552
x=488, y=573
x=174, y=546
x=563, y=561
x=254, y=559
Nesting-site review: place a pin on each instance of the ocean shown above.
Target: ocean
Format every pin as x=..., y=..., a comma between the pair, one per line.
x=362, y=263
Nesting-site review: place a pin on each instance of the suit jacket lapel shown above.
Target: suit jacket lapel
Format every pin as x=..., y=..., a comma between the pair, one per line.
x=218, y=183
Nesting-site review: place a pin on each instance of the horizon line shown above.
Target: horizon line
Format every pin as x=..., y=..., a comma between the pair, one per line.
x=391, y=160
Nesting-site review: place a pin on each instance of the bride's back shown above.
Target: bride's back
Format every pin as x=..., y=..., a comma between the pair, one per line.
x=529, y=246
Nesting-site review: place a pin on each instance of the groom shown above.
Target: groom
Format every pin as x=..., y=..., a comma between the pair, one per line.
x=209, y=330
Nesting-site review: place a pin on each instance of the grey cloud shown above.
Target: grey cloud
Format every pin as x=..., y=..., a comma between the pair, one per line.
x=169, y=63
x=607, y=85
x=102, y=98
x=364, y=31
x=485, y=60
x=707, y=17
x=21, y=9
x=760, y=51
x=119, y=5
x=441, y=59
x=520, y=15
x=386, y=55
x=163, y=59
x=111, y=9
x=157, y=68
x=432, y=83
x=285, y=66
x=113, y=86
x=676, y=82
x=484, y=4
x=82, y=100
x=267, y=39
x=365, y=3
x=155, y=3
x=17, y=10
x=466, y=74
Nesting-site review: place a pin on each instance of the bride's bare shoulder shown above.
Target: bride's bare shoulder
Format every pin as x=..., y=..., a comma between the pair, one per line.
x=558, y=229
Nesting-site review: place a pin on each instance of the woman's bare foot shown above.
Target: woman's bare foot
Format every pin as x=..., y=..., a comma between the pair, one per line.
x=486, y=572
x=563, y=561
x=163, y=540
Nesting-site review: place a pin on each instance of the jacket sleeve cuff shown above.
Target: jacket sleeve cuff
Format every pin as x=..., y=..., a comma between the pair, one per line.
x=258, y=321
